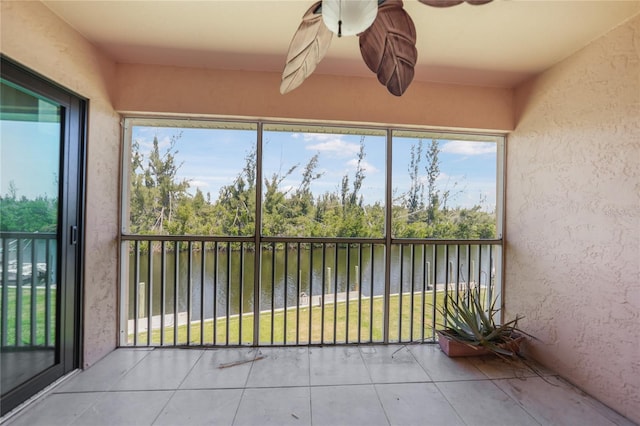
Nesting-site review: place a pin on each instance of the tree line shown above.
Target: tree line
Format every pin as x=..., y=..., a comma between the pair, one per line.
x=161, y=204
x=20, y=214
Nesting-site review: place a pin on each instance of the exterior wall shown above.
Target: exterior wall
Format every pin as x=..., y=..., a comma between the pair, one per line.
x=573, y=217
x=161, y=89
x=33, y=36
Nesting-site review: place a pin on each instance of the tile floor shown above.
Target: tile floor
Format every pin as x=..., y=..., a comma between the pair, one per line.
x=337, y=385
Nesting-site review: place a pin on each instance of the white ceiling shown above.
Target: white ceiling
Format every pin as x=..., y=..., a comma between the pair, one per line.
x=498, y=44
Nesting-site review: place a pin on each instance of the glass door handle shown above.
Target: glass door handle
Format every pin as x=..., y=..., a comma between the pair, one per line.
x=73, y=235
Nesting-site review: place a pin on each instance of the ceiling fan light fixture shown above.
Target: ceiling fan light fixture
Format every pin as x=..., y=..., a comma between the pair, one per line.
x=387, y=39
x=349, y=17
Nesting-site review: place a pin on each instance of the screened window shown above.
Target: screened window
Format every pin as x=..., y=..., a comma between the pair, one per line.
x=323, y=182
x=445, y=186
x=190, y=177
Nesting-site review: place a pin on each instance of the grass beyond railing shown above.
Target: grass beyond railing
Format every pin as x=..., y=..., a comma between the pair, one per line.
x=25, y=324
x=373, y=331
x=27, y=289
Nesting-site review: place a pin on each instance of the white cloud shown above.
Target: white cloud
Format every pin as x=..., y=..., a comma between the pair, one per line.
x=198, y=184
x=469, y=148
x=444, y=177
x=332, y=144
x=287, y=188
x=310, y=137
x=146, y=145
x=337, y=147
x=366, y=166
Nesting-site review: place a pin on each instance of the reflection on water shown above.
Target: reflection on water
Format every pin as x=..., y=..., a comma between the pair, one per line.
x=297, y=271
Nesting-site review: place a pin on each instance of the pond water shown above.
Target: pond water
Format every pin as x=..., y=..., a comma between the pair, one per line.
x=357, y=268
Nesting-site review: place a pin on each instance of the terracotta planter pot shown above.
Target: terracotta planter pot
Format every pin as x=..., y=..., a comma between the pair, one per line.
x=454, y=348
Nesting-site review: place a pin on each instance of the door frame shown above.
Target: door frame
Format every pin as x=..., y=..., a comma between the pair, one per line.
x=71, y=218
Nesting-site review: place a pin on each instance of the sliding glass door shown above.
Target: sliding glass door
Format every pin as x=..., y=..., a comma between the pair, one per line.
x=40, y=217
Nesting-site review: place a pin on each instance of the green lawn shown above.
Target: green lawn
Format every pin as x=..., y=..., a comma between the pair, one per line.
x=25, y=322
x=369, y=332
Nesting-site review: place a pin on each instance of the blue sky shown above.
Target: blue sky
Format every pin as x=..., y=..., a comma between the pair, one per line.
x=212, y=158
x=29, y=157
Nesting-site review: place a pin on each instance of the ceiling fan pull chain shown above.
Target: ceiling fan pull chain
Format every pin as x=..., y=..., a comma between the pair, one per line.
x=340, y=18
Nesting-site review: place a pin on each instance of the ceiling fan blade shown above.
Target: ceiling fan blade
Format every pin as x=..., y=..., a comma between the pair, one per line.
x=308, y=46
x=441, y=3
x=478, y=2
x=449, y=3
x=388, y=47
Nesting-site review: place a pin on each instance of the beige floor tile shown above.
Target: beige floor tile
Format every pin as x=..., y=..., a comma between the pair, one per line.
x=337, y=365
x=346, y=405
x=553, y=402
x=162, y=369
x=200, y=407
x=125, y=408
x=274, y=406
x=55, y=409
x=416, y=404
x=392, y=364
x=276, y=367
x=482, y=403
x=221, y=368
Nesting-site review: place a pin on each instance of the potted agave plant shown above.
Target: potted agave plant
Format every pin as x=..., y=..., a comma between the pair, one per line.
x=470, y=329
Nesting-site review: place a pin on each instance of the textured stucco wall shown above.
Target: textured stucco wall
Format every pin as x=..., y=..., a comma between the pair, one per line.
x=39, y=40
x=161, y=89
x=573, y=217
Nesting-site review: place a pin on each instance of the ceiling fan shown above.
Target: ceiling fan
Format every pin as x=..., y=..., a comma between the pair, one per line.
x=386, y=32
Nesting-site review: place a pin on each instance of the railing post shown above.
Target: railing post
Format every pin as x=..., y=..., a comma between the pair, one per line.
x=18, y=330
x=176, y=284
x=136, y=293
x=189, y=290
x=241, y=292
x=203, y=269
x=47, y=296
x=34, y=295
x=5, y=291
x=150, y=292
x=434, y=291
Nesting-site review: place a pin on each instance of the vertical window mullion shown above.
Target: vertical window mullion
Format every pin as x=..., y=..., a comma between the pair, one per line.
x=387, y=233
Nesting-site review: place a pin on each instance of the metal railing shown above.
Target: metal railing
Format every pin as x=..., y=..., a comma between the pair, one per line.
x=28, y=289
x=203, y=291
